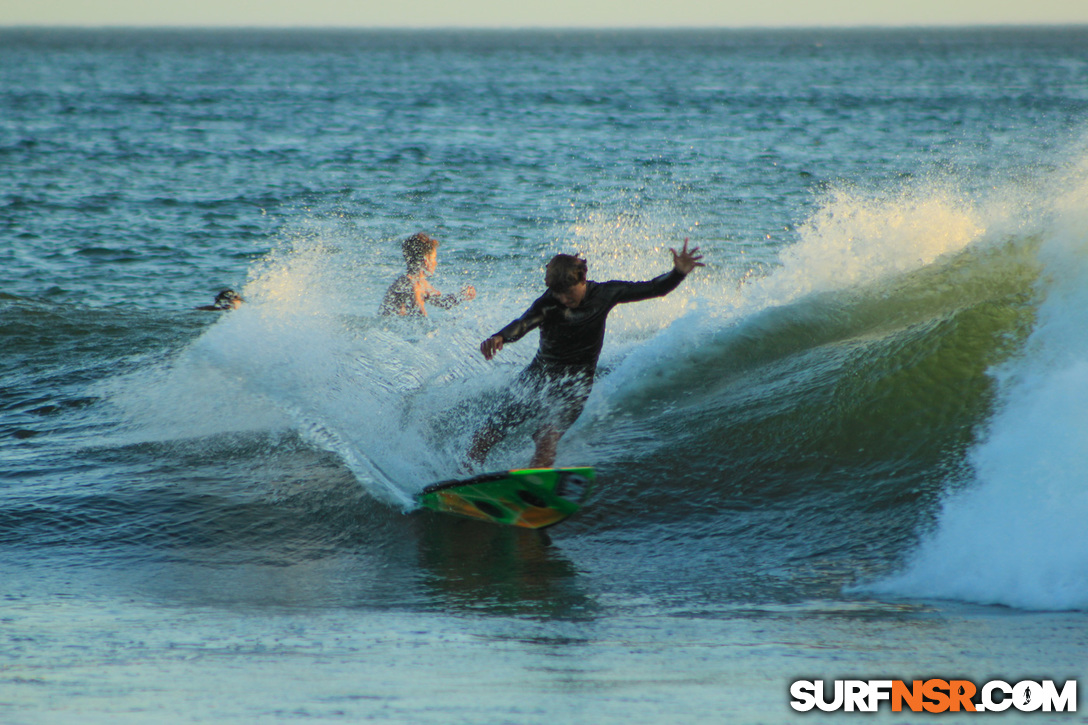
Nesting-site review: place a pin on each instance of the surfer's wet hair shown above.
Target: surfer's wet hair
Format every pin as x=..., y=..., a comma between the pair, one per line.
x=564, y=271
x=416, y=248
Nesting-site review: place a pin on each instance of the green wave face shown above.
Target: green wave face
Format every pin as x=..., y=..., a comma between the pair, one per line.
x=871, y=394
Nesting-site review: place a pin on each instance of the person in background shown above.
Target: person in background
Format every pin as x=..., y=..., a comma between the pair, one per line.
x=411, y=292
x=228, y=299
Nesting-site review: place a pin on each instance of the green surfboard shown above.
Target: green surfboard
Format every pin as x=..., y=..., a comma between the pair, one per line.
x=532, y=498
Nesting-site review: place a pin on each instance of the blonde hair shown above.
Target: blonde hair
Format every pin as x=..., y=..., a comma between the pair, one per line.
x=415, y=248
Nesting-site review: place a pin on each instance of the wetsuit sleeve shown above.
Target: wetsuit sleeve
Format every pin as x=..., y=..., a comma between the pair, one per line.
x=444, y=301
x=528, y=321
x=638, y=291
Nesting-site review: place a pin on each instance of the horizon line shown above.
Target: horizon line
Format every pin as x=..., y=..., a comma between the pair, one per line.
x=552, y=28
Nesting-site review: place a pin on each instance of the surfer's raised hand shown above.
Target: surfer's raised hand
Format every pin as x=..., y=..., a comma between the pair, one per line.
x=490, y=346
x=684, y=261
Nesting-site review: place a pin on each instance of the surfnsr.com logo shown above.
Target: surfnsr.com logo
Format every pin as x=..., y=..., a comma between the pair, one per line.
x=934, y=695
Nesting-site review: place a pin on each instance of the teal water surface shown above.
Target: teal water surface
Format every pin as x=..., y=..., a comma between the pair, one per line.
x=848, y=447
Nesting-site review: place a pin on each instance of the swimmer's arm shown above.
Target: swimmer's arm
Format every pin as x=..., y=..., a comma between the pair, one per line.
x=468, y=292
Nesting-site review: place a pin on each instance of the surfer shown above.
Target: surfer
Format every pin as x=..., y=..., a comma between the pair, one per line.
x=228, y=299
x=571, y=314
x=410, y=292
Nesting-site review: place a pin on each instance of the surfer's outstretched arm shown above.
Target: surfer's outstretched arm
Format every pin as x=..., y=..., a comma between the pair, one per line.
x=683, y=261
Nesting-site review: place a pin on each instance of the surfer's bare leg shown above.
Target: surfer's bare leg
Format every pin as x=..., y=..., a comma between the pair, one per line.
x=547, y=440
x=485, y=439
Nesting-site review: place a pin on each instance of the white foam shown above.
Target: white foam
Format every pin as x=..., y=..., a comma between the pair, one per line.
x=298, y=355
x=857, y=238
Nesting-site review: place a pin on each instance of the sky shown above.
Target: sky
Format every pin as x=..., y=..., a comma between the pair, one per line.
x=541, y=13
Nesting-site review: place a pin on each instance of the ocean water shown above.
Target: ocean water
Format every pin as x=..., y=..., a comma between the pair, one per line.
x=852, y=446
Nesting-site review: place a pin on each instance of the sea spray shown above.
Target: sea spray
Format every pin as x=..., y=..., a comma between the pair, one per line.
x=852, y=240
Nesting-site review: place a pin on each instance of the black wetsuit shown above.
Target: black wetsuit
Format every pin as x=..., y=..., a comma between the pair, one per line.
x=400, y=299
x=558, y=381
